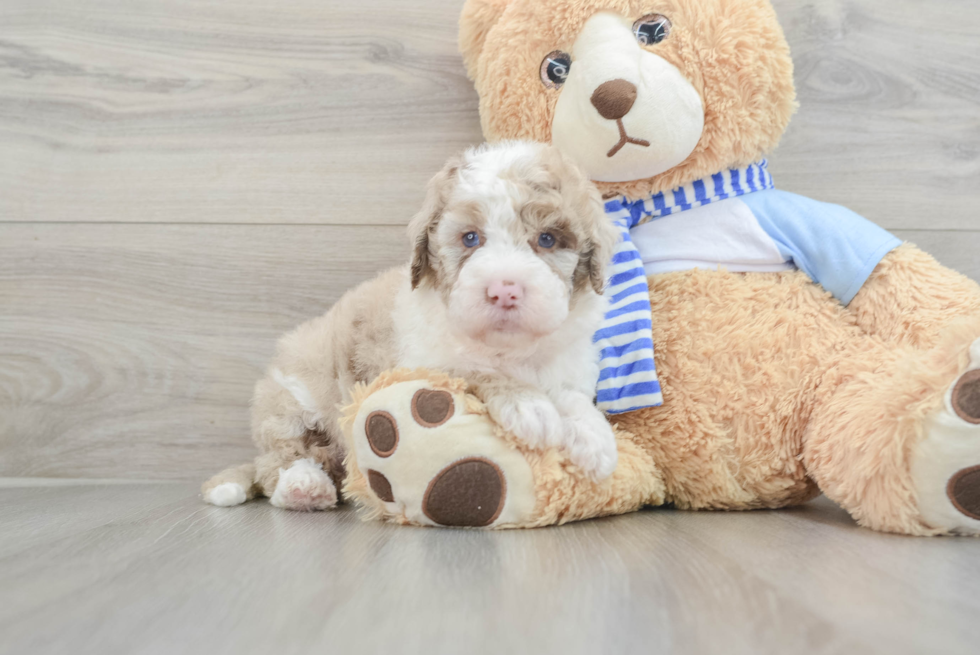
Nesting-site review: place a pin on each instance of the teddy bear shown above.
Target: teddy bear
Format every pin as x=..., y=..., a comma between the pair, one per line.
x=799, y=349
x=783, y=347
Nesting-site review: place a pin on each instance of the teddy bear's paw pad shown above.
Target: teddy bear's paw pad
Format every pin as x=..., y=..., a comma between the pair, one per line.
x=965, y=397
x=381, y=432
x=380, y=486
x=964, y=491
x=431, y=462
x=469, y=492
x=305, y=487
x=946, y=463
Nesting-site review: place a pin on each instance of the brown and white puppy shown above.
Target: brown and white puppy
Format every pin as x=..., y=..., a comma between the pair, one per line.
x=504, y=289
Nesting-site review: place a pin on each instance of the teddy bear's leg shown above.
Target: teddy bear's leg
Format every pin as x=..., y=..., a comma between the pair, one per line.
x=895, y=437
x=424, y=451
x=910, y=299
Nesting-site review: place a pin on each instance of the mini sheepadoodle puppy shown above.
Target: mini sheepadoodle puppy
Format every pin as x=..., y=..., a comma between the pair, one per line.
x=504, y=289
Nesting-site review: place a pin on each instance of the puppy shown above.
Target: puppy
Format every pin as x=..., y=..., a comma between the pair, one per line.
x=504, y=289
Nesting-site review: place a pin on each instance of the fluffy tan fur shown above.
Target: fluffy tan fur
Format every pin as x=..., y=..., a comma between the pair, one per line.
x=734, y=53
x=563, y=491
x=773, y=391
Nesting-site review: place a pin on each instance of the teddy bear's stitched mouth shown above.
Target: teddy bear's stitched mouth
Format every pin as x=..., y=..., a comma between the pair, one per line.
x=624, y=139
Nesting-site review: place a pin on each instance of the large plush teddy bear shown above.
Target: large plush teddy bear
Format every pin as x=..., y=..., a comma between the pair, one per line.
x=799, y=348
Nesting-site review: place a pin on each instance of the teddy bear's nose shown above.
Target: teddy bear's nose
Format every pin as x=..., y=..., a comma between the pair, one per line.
x=614, y=99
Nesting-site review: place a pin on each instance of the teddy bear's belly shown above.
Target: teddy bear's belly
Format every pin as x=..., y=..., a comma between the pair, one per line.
x=739, y=356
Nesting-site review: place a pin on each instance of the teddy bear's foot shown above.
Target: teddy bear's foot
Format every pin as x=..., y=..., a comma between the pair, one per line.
x=946, y=463
x=304, y=486
x=424, y=454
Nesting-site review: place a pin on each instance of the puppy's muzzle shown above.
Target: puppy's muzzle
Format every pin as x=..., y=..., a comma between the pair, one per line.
x=505, y=294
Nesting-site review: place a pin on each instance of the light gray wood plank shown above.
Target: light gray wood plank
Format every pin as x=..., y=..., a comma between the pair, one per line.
x=300, y=111
x=889, y=123
x=149, y=569
x=326, y=112
x=130, y=351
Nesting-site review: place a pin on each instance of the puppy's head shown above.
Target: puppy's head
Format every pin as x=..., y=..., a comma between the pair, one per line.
x=512, y=237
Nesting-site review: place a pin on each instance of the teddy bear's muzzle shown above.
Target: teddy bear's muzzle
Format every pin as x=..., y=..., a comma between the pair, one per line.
x=613, y=100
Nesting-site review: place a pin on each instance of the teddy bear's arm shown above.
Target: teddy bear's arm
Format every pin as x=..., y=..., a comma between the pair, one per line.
x=910, y=298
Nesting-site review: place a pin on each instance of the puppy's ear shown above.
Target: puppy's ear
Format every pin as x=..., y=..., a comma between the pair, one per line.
x=424, y=222
x=582, y=200
x=597, y=253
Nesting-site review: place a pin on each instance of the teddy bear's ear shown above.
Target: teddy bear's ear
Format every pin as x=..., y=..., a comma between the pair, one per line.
x=478, y=17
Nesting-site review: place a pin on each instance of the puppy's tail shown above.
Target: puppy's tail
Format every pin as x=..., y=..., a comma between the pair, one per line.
x=233, y=486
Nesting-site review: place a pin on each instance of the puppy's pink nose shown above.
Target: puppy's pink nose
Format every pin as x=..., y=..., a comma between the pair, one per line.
x=504, y=294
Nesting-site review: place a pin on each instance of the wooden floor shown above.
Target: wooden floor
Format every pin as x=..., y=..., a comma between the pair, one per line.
x=134, y=569
x=183, y=180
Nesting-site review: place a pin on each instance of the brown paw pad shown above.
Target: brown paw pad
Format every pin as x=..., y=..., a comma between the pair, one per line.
x=469, y=492
x=382, y=433
x=431, y=408
x=964, y=491
x=966, y=397
x=380, y=486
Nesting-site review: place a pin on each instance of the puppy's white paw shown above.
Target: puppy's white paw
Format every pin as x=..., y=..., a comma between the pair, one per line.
x=304, y=486
x=228, y=494
x=532, y=418
x=591, y=442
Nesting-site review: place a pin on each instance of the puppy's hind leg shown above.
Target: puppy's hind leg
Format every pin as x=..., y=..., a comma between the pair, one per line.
x=301, y=462
x=231, y=487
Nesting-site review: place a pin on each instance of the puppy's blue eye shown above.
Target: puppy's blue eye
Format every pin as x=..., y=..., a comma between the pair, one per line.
x=471, y=239
x=546, y=240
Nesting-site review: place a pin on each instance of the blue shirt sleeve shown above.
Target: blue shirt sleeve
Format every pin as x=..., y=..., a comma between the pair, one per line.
x=837, y=248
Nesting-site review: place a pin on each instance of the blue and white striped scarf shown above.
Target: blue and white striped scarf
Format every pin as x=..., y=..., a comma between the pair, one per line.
x=628, y=377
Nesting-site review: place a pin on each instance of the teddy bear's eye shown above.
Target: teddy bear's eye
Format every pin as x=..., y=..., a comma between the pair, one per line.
x=651, y=29
x=555, y=68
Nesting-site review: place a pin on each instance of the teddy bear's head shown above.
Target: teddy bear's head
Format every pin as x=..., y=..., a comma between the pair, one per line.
x=645, y=95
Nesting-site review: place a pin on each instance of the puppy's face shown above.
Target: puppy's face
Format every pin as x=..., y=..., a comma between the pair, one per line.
x=512, y=237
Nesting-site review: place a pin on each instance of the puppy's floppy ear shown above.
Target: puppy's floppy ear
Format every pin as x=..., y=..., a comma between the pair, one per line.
x=596, y=256
x=475, y=22
x=420, y=227
x=582, y=199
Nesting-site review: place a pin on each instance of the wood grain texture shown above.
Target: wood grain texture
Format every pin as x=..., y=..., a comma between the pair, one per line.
x=149, y=569
x=131, y=350
x=889, y=123
x=128, y=349
x=307, y=111
x=241, y=111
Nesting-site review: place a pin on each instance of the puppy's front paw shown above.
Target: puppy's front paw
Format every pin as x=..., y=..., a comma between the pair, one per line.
x=532, y=418
x=589, y=439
